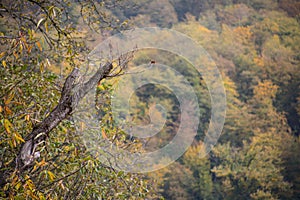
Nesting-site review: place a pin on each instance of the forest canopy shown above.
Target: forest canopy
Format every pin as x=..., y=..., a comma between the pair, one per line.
x=44, y=44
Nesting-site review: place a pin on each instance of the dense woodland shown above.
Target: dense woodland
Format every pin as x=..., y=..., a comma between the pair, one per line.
x=255, y=45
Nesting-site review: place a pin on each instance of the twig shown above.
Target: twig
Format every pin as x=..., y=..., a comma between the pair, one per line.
x=62, y=178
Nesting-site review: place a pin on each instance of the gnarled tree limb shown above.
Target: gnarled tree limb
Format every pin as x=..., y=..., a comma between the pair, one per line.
x=67, y=103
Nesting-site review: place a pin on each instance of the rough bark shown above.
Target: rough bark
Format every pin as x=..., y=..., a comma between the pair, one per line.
x=67, y=103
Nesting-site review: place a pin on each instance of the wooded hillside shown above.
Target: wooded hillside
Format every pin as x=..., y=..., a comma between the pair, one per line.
x=255, y=45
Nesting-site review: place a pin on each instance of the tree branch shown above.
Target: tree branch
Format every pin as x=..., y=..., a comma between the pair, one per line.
x=67, y=103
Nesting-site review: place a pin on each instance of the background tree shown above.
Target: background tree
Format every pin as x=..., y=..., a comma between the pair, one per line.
x=255, y=45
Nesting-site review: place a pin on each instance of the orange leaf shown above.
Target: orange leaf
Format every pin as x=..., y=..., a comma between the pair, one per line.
x=38, y=44
x=29, y=47
x=103, y=134
x=7, y=110
x=16, y=54
x=8, y=100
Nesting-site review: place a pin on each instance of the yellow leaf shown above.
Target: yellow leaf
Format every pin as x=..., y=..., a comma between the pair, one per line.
x=30, y=184
x=34, y=168
x=100, y=86
x=42, y=67
x=18, y=185
x=6, y=187
x=13, y=142
x=46, y=27
x=2, y=54
x=23, y=39
x=41, y=196
x=3, y=63
x=27, y=117
x=19, y=137
x=8, y=162
x=15, y=179
x=1, y=109
x=115, y=64
x=7, y=126
x=39, y=164
x=21, y=48
x=51, y=175
x=42, y=163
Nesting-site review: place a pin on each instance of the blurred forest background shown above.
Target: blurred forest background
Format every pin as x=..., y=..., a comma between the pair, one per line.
x=254, y=43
